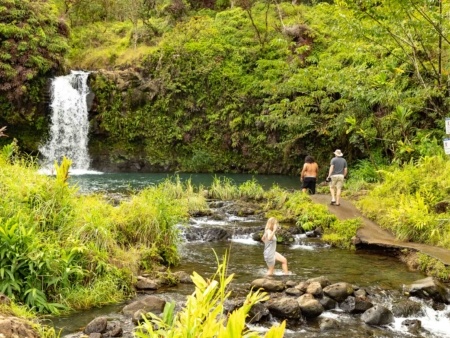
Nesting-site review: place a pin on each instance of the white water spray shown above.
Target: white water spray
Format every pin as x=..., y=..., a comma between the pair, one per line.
x=69, y=126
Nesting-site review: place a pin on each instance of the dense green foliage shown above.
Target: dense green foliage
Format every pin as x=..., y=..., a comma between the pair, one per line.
x=56, y=246
x=33, y=43
x=254, y=87
x=410, y=196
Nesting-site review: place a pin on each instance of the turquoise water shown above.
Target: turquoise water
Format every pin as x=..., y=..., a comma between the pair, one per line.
x=129, y=182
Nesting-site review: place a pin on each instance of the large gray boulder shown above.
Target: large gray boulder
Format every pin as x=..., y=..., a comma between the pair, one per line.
x=355, y=305
x=310, y=307
x=259, y=312
x=285, y=308
x=338, y=291
x=144, y=283
x=98, y=325
x=268, y=284
x=378, y=315
x=315, y=289
x=407, y=308
x=293, y=292
x=324, y=281
x=183, y=277
x=328, y=303
x=146, y=304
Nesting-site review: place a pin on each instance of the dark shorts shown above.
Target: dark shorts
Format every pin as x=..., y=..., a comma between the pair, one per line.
x=309, y=183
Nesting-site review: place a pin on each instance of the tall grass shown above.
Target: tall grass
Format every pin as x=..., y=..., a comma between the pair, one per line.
x=56, y=245
x=223, y=189
x=251, y=190
x=340, y=233
x=150, y=218
x=195, y=197
x=408, y=195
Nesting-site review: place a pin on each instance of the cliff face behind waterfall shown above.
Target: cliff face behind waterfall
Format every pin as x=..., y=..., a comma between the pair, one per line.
x=246, y=86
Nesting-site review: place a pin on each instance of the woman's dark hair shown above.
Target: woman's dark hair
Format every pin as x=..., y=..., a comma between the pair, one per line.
x=309, y=159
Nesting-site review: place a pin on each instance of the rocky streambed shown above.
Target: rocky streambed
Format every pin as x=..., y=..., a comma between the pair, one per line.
x=313, y=307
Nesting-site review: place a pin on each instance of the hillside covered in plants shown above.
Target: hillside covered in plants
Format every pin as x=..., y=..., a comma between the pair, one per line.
x=245, y=86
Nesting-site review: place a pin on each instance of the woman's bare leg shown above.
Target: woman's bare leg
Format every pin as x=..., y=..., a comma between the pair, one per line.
x=280, y=258
x=270, y=270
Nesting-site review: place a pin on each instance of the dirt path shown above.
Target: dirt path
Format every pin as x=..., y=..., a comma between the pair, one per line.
x=372, y=234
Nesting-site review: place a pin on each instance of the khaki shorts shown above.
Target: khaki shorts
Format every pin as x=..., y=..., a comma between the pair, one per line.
x=337, y=181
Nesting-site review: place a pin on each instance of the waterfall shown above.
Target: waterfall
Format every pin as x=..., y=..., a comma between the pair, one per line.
x=69, y=122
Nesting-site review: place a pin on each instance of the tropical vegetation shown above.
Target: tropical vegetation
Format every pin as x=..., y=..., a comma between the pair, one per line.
x=238, y=85
x=57, y=245
x=207, y=86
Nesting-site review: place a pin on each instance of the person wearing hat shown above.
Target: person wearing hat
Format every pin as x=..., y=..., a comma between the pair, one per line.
x=336, y=175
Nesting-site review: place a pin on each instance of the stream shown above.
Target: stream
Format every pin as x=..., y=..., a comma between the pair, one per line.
x=382, y=276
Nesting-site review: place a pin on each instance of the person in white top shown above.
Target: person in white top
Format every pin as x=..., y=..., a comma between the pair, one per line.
x=270, y=247
x=336, y=175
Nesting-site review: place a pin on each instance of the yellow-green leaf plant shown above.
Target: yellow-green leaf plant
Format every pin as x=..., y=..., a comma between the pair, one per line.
x=62, y=171
x=203, y=315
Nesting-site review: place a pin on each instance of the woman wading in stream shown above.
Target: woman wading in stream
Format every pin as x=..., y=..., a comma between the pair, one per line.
x=270, y=247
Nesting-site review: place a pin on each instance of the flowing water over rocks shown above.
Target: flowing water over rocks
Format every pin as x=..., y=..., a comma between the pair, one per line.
x=70, y=125
x=331, y=293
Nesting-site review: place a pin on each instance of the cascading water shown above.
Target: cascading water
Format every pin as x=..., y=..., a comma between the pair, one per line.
x=69, y=122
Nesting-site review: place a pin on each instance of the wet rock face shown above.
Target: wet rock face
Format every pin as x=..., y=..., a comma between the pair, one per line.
x=207, y=234
x=322, y=280
x=98, y=325
x=258, y=313
x=147, y=284
x=183, y=277
x=310, y=307
x=285, y=307
x=315, y=289
x=355, y=305
x=413, y=325
x=338, y=291
x=148, y=304
x=327, y=324
x=101, y=328
x=328, y=303
x=407, y=308
x=377, y=315
x=268, y=284
x=430, y=288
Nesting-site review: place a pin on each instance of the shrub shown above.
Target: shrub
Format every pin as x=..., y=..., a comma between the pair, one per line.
x=408, y=195
x=223, y=189
x=340, y=233
x=251, y=190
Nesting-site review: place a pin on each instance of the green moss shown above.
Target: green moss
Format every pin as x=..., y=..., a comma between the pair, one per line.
x=433, y=267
